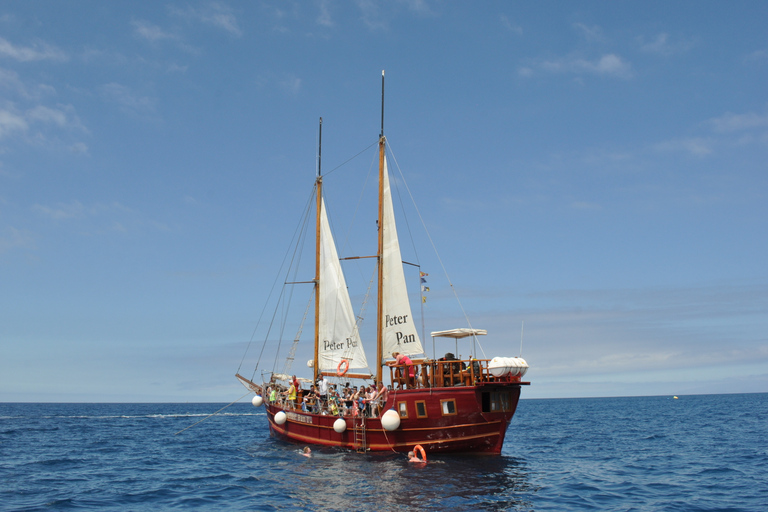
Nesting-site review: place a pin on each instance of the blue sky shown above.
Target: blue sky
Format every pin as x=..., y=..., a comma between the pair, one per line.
x=596, y=171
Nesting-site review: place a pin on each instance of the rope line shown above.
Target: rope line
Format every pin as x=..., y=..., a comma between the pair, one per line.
x=217, y=412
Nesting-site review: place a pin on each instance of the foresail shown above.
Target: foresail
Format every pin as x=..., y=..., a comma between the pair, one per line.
x=338, y=334
x=399, y=332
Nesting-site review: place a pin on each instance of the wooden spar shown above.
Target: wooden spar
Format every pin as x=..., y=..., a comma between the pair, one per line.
x=380, y=291
x=316, y=371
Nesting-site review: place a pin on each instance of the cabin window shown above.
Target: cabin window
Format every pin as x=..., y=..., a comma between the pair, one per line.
x=448, y=407
x=497, y=401
x=421, y=409
x=402, y=409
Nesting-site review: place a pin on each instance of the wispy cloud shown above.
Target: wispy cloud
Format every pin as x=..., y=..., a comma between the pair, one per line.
x=12, y=238
x=152, y=33
x=97, y=218
x=593, y=33
x=510, y=26
x=730, y=122
x=695, y=146
x=37, y=51
x=61, y=211
x=371, y=14
x=291, y=85
x=215, y=14
x=661, y=44
x=610, y=65
x=127, y=100
x=10, y=81
x=418, y=6
x=324, y=17
x=10, y=123
x=758, y=56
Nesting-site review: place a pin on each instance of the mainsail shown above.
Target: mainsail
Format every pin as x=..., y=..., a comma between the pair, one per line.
x=338, y=334
x=398, y=326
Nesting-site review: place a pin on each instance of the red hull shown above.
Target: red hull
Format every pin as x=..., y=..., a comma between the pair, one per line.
x=476, y=421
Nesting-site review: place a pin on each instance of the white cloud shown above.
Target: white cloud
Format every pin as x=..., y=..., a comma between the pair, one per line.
x=695, y=146
x=525, y=72
x=662, y=45
x=79, y=147
x=586, y=205
x=512, y=27
x=61, y=211
x=607, y=65
x=419, y=6
x=371, y=14
x=127, y=100
x=593, y=33
x=38, y=51
x=291, y=85
x=13, y=238
x=758, y=56
x=48, y=115
x=10, y=123
x=152, y=33
x=215, y=14
x=324, y=18
x=730, y=122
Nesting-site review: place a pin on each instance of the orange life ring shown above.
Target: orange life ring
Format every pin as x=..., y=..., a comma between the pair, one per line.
x=339, y=371
x=419, y=450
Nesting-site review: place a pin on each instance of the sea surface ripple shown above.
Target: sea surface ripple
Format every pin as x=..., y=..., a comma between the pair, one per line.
x=695, y=453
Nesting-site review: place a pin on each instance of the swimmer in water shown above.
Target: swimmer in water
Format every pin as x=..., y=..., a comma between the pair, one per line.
x=307, y=452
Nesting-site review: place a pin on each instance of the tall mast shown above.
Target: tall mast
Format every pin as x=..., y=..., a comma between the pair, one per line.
x=380, y=294
x=319, y=191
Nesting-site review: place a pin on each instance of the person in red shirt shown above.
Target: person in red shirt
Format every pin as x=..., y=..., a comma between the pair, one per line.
x=402, y=359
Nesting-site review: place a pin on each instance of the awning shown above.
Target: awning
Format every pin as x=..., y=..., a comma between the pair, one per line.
x=459, y=333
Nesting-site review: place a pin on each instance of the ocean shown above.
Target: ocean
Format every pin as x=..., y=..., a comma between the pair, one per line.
x=695, y=453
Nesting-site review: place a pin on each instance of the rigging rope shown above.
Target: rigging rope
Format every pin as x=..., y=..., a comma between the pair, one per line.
x=296, y=234
x=217, y=412
x=445, y=271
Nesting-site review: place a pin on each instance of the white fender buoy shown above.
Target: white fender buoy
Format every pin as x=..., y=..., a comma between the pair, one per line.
x=390, y=420
x=280, y=418
x=257, y=401
x=311, y=363
x=339, y=425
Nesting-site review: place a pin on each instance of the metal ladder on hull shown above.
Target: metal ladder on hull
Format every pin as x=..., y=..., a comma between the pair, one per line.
x=361, y=443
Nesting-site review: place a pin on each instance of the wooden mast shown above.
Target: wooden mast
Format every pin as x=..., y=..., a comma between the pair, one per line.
x=319, y=191
x=380, y=295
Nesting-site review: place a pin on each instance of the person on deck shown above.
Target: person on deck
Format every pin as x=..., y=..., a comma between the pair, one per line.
x=380, y=400
x=290, y=394
x=309, y=403
x=323, y=387
x=410, y=373
x=370, y=396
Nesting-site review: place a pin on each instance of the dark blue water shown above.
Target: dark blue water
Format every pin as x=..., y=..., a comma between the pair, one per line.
x=650, y=453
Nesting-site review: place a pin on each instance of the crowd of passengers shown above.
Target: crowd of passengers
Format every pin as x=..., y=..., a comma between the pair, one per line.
x=327, y=398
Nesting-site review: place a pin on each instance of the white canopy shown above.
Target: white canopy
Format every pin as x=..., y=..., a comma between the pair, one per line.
x=458, y=333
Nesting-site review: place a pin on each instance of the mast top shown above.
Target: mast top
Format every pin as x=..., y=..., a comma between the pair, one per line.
x=381, y=136
x=319, y=147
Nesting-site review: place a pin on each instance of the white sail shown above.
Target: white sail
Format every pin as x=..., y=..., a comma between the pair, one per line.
x=399, y=332
x=338, y=334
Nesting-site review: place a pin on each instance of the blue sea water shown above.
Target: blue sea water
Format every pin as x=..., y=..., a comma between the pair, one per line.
x=707, y=452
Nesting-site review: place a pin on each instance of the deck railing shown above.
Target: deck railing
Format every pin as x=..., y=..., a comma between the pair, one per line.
x=445, y=373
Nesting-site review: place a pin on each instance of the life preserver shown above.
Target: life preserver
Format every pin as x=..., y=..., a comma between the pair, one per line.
x=339, y=371
x=419, y=450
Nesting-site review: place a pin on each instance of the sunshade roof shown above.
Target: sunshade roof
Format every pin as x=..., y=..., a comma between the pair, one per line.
x=459, y=333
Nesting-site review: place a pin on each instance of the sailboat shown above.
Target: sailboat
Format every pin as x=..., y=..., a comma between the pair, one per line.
x=440, y=405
